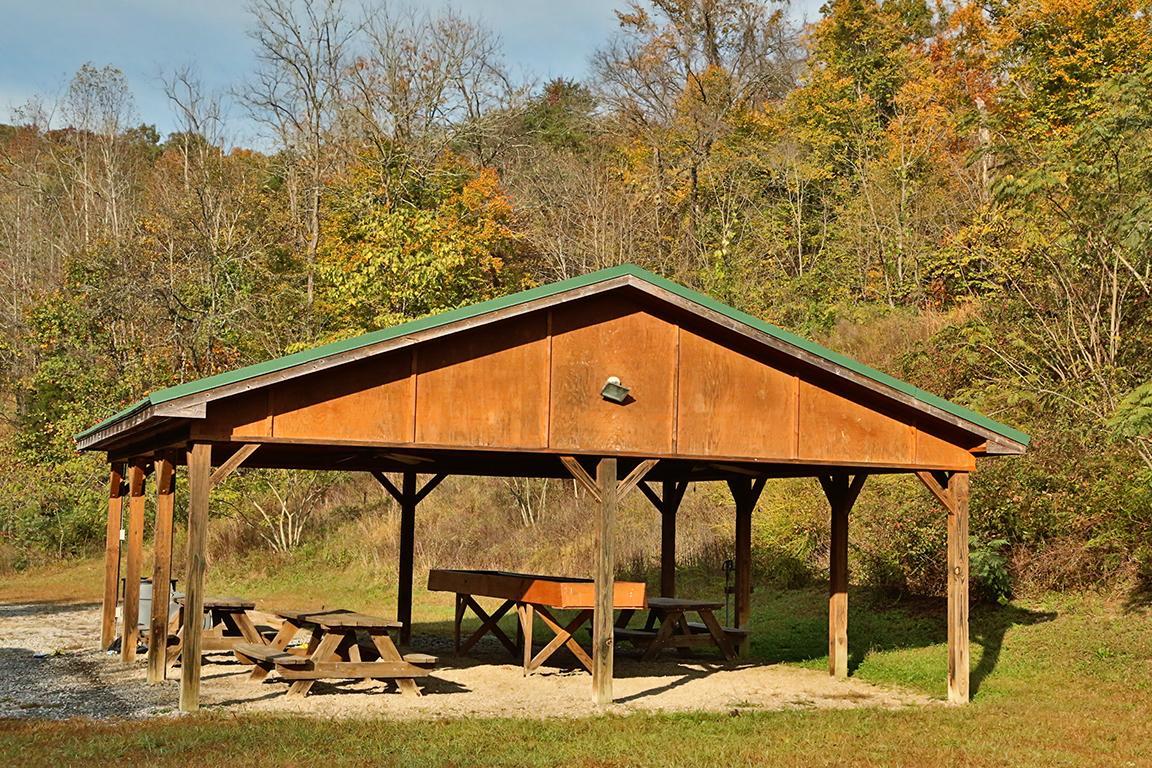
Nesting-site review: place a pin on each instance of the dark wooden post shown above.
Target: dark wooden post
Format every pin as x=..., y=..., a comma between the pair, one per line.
x=408, y=497
x=958, y=650
x=603, y=638
x=667, y=504
x=745, y=492
x=407, y=502
x=161, y=570
x=112, y=556
x=130, y=631
x=668, y=542
x=841, y=492
x=199, y=472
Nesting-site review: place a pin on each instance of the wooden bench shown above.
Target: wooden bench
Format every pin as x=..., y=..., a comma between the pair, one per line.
x=421, y=659
x=636, y=636
x=735, y=633
x=267, y=655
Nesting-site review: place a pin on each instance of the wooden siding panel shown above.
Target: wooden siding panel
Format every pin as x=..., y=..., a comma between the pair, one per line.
x=833, y=428
x=732, y=405
x=612, y=336
x=485, y=388
x=369, y=400
x=244, y=415
x=933, y=452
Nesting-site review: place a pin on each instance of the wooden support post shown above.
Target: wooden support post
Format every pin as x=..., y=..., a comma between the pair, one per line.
x=745, y=492
x=958, y=650
x=668, y=504
x=408, y=496
x=199, y=470
x=407, y=556
x=130, y=630
x=952, y=491
x=161, y=570
x=603, y=617
x=668, y=544
x=116, y=491
x=838, y=591
x=842, y=493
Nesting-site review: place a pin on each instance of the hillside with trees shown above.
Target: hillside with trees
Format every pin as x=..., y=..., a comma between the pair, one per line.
x=959, y=194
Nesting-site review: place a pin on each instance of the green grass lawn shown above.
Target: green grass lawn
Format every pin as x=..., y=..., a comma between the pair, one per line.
x=1060, y=681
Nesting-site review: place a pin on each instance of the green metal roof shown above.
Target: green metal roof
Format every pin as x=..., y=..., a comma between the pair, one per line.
x=544, y=291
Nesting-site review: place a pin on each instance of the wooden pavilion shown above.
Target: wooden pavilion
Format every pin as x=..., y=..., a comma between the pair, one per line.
x=523, y=386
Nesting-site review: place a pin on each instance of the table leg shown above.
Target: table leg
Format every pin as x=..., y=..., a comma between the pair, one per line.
x=355, y=656
x=248, y=629
x=684, y=651
x=718, y=634
x=624, y=617
x=527, y=620
x=667, y=624
x=489, y=624
x=388, y=652
x=325, y=650
x=564, y=636
x=284, y=636
x=460, y=607
x=174, y=650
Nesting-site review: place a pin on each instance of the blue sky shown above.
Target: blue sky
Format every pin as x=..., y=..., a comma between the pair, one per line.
x=43, y=43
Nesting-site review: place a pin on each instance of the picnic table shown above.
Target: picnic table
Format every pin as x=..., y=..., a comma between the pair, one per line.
x=229, y=624
x=668, y=627
x=531, y=595
x=341, y=645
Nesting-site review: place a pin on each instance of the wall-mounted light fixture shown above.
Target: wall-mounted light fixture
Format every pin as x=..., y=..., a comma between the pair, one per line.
x=614, y=391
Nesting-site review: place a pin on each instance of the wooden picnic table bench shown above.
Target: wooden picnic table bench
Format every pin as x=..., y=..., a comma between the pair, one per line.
x=341, y=645
x=229, y=624
x=668, y=627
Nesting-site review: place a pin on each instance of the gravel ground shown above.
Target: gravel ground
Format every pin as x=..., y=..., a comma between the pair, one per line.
x=49, y=670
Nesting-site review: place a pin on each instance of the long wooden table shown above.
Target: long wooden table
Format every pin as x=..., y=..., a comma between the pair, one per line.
x=531, y=595
x=341, y=645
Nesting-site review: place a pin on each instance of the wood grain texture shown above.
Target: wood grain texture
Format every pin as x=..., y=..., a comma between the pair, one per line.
x=134, y=546
x=161, y=569
x=232, y=463
x=842, y=492
x=729, y=404
x=112, y=556
x=835, y=428
x=932, y=451
x=603, y=641
x=199, y=470
x=611, y=337
x=560, y=592
x=487, y=387
x=958, y=643
x=366, y=400
x=838, y=589
x=244, y=415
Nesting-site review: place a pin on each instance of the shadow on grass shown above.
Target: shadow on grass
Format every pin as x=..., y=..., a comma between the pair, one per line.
x=1140, y=596
x=786, y=631
x=791, y=626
